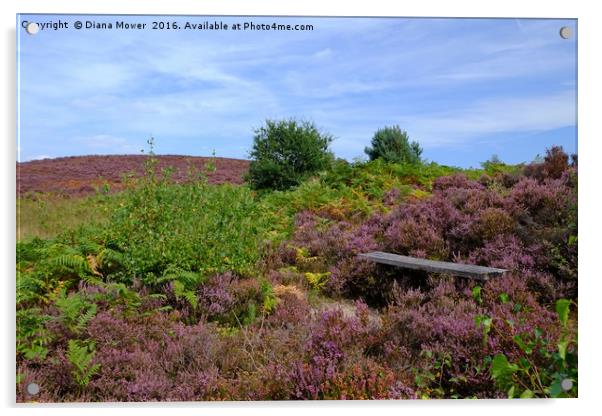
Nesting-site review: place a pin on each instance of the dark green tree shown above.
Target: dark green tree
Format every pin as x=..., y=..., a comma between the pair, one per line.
x=287, y=152
x=393, y=145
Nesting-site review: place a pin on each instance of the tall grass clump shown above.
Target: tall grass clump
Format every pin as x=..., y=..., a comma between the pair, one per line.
x=46, y=216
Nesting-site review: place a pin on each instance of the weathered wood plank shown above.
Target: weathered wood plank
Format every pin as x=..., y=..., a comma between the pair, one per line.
x=456, y=269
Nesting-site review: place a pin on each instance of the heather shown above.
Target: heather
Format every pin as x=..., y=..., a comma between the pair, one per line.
x=89, y=175
x=188, y=290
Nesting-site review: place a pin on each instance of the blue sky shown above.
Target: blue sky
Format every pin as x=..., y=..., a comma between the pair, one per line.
x=463, y=88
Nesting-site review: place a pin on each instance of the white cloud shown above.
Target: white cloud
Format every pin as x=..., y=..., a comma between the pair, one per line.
x=39, y=157
x=324, y=53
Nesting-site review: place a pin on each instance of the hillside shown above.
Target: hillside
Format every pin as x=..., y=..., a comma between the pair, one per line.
x=83, y=175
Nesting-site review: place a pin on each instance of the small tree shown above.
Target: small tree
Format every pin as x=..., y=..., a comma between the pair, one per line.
x=494, y=165
x=393, y=145
x=495, y=160
x=287, y=152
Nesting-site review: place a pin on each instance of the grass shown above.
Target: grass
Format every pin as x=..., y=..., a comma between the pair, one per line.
x=45, y=216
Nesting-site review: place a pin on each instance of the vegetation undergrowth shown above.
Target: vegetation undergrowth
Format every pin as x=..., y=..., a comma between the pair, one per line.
x=194, y=291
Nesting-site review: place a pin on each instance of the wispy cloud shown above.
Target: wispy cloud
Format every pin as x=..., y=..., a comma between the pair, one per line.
x=526, y=114
x=40, y=157
x=447, y=81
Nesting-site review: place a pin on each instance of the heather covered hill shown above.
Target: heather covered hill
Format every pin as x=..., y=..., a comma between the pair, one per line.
x=82, y=175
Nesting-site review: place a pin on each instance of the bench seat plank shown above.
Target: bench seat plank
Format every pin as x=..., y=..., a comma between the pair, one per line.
x=456, y=269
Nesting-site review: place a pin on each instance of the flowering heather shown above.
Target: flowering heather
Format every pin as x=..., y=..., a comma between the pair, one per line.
x=524, y=229
x=215, y=296
x=82, y=175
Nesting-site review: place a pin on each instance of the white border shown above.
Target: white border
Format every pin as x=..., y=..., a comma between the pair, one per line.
x=589, y=181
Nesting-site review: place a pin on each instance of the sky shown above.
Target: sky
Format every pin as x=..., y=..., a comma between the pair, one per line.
x=465, y=89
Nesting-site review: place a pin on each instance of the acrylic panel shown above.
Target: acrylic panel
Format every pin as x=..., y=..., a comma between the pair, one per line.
x=203, y=204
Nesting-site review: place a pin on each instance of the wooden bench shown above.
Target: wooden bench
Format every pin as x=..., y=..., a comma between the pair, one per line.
x=456, y=269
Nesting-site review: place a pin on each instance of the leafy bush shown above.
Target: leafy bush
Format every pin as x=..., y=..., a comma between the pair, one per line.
x=494, y=166
x=164, y=231
x=287, y=152
x=393, y=145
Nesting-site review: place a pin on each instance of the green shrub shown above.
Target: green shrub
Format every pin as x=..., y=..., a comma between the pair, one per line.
x=287, y=152
x=393, y=145
x=495, y=166
x=376, y=177
x=164, y=229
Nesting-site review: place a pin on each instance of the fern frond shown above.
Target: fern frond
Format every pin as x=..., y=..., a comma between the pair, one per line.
x=108, y=258
x=80, y=355
x=83, y=320
x=190, y=279
x=27, y=287
x=180, y=292
x=87, y=247
x=75, y=310
x=74, y=262
x=191, y=298
x=93, y=265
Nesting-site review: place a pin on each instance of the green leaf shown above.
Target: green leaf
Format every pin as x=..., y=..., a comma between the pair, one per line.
x=487, y=325
x=484, y=322
x=562, y=347
x=556, y=388
x=501, y=369
x=519, y=341
x=524, y=363
x=527, y=394
x=502, y=373
x=504, y=297
x=476, y=294
x=562, y=309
